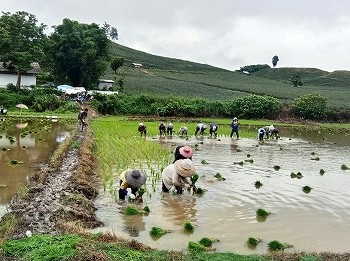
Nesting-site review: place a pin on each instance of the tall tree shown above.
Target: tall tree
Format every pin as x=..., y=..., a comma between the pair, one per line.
x=21, y=42
x=110, y=31
x=79, y=52
x=275, y=60
x=116, y=63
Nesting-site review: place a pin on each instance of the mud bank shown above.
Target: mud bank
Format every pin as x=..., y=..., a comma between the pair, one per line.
x=59, y=194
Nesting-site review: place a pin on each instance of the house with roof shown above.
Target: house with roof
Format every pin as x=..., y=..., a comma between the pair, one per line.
x=136, y=65
x=104, y=84
x=28, y=78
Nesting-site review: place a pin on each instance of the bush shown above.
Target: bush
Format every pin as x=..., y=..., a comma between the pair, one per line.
x=255, y=107
x=311, y=106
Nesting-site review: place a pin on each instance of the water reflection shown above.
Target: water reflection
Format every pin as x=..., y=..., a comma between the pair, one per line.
x=179, y=208
x=133, y=224
x=227, y=211
x=30, y=141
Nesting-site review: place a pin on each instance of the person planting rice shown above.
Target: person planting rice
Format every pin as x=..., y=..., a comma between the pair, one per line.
x=162, y=129
x=169, y=129
x=234, y=128
x=183, y=152
x=274, y=133
x=200, y=128
x=183, y=131
x=82, y=118
x=142, y=129
x=261, y=133
x=177, y=175
x=213, y=130
x=132, y=179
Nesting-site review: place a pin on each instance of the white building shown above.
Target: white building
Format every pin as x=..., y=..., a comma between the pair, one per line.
x=136, y=65
x=105, y=84
x=27, y=79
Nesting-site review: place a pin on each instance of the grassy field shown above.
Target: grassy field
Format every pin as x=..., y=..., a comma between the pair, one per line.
x=100, y=247
x=167, y=76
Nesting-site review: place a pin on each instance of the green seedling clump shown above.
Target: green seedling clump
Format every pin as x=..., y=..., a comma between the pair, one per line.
x=207, y=242
x=258, y=184
x=249, y=160
x=158, y=232
x=146, y=209
x=15, y=162
x=262, y=213
x=307, y=189
x=296, y=175
x=188, y=227
x=316, y=158
x=204, y=162
x=194, y=179
x=248, y=155
x=196, y=246
x=238, y=163
x=344, y=167
x=199, y=191
x=276, y=167
x=130, y=210
x=253, y=242
x=322, y=171
x=276, y=245
x=219, y=177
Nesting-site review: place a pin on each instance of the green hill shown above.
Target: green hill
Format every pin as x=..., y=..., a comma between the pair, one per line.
x=168, y=76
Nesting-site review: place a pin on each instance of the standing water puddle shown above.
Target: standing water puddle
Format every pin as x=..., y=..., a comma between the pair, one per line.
x=315, y=221
x=29, y=142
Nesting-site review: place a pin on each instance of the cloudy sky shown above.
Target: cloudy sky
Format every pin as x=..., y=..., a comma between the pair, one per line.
x=224, y=33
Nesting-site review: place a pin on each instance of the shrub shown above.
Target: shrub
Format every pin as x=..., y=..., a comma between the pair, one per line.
x=311, y=106
x=255, y=106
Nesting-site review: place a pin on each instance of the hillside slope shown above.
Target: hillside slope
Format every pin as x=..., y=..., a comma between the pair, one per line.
x=168, y=76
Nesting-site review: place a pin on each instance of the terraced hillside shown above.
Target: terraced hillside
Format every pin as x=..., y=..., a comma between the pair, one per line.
x=168, y=76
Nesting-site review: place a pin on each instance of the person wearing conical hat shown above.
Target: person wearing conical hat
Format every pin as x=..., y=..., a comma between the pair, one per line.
x=183, y=131
x=183, y=152
x=162, y=129
x=234, y=128
x=169, y=129
x=177, y=175
x=142, y=129
x=200, y=128
x=213, y=130
x=132, y=179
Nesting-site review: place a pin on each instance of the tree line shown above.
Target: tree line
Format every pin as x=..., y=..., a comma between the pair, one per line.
x=75, y=53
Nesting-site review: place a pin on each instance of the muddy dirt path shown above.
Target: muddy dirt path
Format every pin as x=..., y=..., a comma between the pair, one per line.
x=57, y=196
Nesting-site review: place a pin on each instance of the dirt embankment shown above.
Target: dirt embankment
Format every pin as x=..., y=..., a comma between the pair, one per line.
x=59, y=196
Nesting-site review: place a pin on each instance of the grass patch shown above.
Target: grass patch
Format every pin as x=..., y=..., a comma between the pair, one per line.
x=43, y=247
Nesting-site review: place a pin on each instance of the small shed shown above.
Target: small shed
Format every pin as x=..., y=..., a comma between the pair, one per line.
x=105, y=84
x=28, y=78
x=136, y=65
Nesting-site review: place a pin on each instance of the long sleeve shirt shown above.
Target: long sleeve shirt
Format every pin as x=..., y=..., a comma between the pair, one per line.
x=171, y=178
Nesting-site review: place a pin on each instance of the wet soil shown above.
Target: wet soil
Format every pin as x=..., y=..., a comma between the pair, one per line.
x=59, y=198
x=60, y=193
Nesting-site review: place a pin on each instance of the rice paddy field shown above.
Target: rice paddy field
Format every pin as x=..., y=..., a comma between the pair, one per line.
x=300, y=180
x=25, y=143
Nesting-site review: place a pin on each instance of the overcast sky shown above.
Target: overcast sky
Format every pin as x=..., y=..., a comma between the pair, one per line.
x=224, y=33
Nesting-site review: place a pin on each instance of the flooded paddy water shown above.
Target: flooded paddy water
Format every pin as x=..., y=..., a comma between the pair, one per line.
x=314, y=221
x=26, y=143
